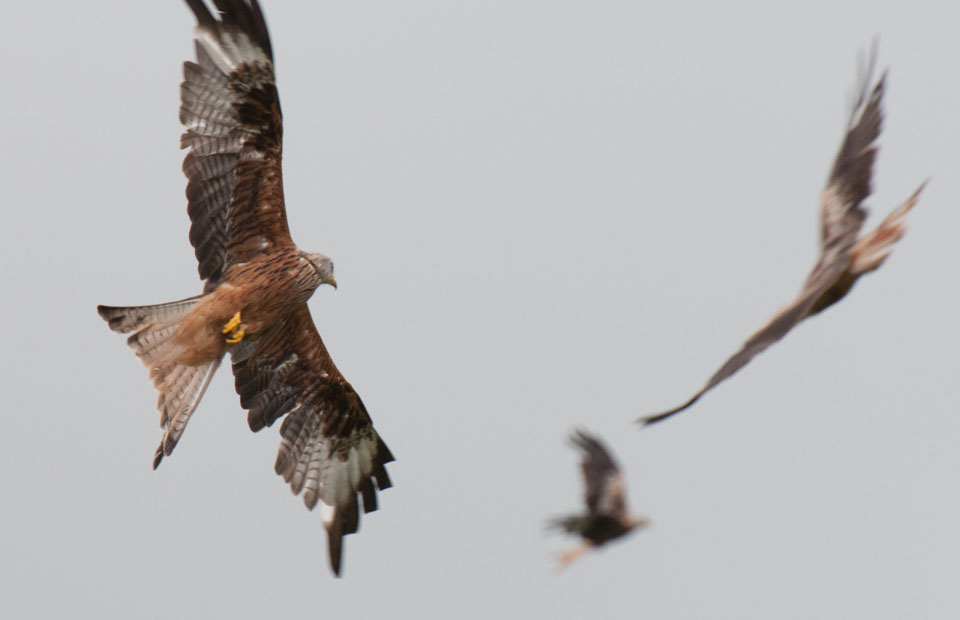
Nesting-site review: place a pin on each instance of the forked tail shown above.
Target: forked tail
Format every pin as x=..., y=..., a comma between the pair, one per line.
x=873, y=248
x=180, y=387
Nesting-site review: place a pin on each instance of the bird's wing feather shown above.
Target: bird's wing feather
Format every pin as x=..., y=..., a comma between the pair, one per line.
x=231, y=111
x=330, y=451
x=849, y=183
x=773, y=330
x=604, y=491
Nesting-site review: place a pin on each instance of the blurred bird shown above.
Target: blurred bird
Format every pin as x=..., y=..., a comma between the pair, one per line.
x=607, y=517
x=844, y=257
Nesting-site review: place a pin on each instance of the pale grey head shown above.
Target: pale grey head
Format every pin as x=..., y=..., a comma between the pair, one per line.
x=323, y=267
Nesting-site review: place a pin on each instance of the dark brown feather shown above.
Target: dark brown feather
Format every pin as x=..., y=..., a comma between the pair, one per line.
x=289, y=372
x=852, y=173
x=234, y=133
x=602, y=478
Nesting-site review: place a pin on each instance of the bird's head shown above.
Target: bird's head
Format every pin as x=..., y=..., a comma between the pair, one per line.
x=323, y=266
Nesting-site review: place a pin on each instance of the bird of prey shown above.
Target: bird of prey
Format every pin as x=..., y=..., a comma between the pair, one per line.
x=607, y=517
x=256, y=285
x=844, y=256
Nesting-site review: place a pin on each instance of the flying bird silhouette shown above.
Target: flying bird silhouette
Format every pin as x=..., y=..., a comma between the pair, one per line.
x=257, y=283
x=607, y=517
x=843, y=257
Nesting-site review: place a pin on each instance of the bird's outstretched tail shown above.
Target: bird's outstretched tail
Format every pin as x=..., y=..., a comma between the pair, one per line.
x=180, y=387
x=873, y=248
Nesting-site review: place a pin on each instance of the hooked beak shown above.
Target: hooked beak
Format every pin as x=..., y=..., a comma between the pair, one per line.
x=333, y=282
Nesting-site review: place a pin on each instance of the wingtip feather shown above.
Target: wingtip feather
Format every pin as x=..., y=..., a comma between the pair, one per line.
x=335, y=546
x=204, y=17
x=660, y=417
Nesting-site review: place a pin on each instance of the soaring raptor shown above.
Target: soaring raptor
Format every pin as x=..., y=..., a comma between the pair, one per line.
x=607, y=517
x=844, y=256
x=256, y=286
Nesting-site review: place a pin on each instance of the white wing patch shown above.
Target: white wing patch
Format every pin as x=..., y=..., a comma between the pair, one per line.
x=236, y=49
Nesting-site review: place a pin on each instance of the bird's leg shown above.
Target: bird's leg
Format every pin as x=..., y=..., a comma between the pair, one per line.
x=236, y=335
x=232, y=324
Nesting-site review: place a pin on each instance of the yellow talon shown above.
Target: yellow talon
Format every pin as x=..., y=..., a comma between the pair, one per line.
x=232, y=324
x=237, y=336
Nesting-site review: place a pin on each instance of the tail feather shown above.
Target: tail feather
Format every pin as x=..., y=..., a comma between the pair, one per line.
x=179, y=396
x=873, y=248
x=127, y=319
x=180, y=387
x=151, y=342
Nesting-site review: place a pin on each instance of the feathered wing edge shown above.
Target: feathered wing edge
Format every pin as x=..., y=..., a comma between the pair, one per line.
x=851, y=177
x=231, y=111
x=772, y=331
x=329, y=450
x=602, y=477
x=333, y=472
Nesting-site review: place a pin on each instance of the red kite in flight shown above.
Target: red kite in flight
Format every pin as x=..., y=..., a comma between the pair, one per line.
x=607, y=517
x=256, y=285
x=844, y=257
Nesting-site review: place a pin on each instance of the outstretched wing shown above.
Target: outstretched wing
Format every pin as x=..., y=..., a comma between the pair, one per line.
x=330, y=451
x=231, y=110
x=842, y=217
x=602, y=477
x=849, y=184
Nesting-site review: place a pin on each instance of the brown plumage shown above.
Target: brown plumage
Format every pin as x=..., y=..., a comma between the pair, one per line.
x=607, y=517
x=256, y=285
x=844, y=257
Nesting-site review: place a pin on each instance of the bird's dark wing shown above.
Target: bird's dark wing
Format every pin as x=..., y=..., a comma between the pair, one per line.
x=849, y=183
x=772, y=331
x=603, y=480
x=842, y=218
x=231, y=110
x=329, y=451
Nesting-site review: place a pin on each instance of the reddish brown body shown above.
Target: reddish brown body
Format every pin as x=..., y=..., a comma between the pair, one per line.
x=264, y=291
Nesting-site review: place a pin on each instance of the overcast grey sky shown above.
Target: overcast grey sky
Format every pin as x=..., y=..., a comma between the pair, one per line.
x=543, y=214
